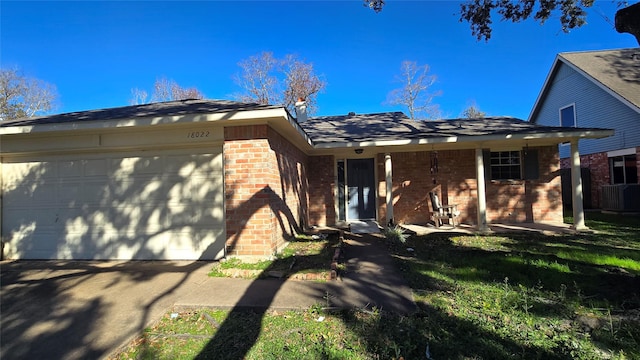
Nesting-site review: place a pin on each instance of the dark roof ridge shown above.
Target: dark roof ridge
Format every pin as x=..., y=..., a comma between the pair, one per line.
x=165, y=108
x=598, y=51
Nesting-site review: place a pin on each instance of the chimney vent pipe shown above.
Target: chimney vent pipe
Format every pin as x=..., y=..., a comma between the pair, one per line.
x=301, y=110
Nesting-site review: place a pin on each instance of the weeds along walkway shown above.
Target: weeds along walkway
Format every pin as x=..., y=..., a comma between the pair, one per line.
x=369, y=280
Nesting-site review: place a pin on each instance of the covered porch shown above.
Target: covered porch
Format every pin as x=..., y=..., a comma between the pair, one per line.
x=496, y=170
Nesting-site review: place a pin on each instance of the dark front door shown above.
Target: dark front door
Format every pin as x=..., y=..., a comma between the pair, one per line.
x=361, y=199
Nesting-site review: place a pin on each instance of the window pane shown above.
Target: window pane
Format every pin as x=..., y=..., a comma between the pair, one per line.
x=505, y=165
x=567, y=117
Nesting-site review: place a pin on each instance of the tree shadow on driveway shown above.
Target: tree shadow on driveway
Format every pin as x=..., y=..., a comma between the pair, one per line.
x=83, y=309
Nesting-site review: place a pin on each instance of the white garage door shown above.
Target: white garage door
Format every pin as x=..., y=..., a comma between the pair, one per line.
x=165, y=205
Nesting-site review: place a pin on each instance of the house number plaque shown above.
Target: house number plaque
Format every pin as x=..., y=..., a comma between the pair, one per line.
x=198, y=134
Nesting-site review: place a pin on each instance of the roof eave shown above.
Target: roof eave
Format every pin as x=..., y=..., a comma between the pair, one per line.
x=544, y=89
x=559, y=137
x=149, y=121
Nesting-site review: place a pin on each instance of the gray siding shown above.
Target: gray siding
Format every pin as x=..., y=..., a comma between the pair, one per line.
x=594, y=108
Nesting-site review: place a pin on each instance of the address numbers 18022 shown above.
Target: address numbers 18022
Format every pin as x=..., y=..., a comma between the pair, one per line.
x=198, y=134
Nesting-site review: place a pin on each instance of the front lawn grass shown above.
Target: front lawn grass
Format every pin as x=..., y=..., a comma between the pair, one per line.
x=501, y=296
x=303, y=254
x=528, y=295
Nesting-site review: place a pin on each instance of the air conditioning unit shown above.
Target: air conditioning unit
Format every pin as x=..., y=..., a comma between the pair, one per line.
x=621, y=197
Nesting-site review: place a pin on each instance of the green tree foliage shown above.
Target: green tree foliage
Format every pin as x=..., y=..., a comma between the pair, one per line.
x=478, y=13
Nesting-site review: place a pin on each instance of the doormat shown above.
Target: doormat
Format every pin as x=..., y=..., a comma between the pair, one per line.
x=364, y=227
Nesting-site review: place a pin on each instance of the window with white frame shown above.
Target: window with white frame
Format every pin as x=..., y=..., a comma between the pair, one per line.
x=623, y=169
x=506, y=165
x=568, y=116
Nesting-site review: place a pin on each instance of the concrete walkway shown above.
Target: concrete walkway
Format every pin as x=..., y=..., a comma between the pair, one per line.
x=88, y=309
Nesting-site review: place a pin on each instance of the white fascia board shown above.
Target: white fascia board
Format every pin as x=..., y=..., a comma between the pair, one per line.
x=559, y=137
x=334, y=145
x=147, y=121
x=543, y=90
x=294, y=123
x=622, y=152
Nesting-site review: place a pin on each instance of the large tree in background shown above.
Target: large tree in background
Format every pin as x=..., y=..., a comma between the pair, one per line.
x=301, y=82
x=259, y=80
x=268, y=80
x=22, y=96
x=415, y=91
x=571, y=14
x=473, y=112
x=165, y=90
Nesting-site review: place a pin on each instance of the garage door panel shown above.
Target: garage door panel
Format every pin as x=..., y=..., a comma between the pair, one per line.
x=68, y=192
x=124, y=207
x=36, y=194
x=70, y=168
x=96, y=167
x=41, y=244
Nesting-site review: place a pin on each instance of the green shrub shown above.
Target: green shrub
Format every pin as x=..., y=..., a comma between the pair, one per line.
x=396, y=234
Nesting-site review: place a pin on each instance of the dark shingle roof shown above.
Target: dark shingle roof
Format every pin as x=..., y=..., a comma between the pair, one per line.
x=618, y=70
x=397, y=126
x=169, y=108
x=350, y=128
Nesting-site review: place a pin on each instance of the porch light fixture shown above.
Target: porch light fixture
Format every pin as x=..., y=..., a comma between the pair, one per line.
x=358, y=151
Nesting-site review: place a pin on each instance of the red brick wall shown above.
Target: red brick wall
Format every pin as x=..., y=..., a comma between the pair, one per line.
x=598, y=165
x=321, y=191
x=529, y=200
x=455, y=182
x=265, y=189
x=272, y=189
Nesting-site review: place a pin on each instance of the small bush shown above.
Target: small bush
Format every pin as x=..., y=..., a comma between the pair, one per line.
x=396, y=234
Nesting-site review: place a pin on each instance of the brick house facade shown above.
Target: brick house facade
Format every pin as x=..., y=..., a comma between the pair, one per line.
x=266, y=190
x=215, y=178
x=273, y=190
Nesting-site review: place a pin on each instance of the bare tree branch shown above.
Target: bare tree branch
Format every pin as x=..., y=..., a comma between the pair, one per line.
x=473, y=112
x=258, y=79
x=301, y=82
x=138, y=97
x=22, y=96
x=414, y=93
x=268, y=80
x=165, y=89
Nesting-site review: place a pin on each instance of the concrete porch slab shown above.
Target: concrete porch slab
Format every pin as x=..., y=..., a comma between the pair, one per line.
x=542, y=228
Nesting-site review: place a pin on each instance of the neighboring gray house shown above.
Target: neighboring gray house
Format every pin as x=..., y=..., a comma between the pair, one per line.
x=598, y=89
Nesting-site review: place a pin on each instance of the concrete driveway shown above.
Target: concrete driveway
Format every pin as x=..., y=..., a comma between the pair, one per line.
x=86, y=309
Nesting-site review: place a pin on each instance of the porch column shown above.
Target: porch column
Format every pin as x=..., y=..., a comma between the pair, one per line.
x=389, y=184
x=576, y=188
x=482, y=199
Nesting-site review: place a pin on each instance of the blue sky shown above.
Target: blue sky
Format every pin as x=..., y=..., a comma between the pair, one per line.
x=96, y=52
